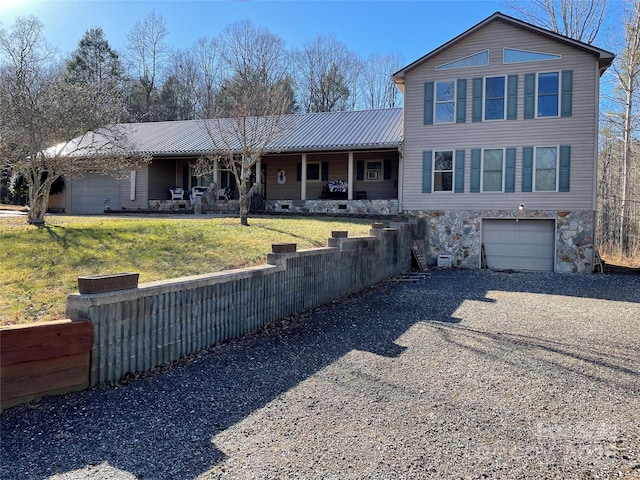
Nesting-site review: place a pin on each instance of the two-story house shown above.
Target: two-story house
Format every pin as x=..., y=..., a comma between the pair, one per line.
x=500, y=146
x=495, y=152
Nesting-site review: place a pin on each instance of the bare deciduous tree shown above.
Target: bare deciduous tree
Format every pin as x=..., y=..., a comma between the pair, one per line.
x=578, y=19
x=38, y=109
x=619, y=146
x=179, y=98
x=147, y=55
x=378, y=90
x=256, y=97
x=327, y=75
x=208, y=57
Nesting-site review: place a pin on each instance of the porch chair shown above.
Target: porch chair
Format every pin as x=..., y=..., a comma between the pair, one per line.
x=177, y=193
x=224, y=193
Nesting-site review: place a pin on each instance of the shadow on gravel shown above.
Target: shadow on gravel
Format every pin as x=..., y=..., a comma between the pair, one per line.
x=560, y=355
x=163, y=426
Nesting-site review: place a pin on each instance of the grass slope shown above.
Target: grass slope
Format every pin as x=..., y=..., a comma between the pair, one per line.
x=40, y=266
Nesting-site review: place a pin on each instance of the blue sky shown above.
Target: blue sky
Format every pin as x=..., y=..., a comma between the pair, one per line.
x=412, y=28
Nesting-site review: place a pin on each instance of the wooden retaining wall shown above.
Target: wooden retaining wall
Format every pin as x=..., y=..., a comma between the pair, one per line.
x=43, y=359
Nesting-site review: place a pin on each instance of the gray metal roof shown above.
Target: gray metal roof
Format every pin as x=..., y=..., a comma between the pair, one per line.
x=355, y=130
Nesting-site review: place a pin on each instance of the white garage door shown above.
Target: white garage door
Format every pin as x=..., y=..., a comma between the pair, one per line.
x=519, y=245
x=93, y=194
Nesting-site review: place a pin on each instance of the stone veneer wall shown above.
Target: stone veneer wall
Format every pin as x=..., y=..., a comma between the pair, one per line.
x=369, y=207
x=458, y=233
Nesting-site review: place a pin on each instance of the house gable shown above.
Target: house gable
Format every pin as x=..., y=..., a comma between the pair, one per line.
x=539, y=90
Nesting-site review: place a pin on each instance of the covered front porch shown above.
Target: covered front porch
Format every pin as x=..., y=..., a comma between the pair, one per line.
x=332, y=182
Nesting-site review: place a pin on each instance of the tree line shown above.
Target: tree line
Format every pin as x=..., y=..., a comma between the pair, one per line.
x=160, y=83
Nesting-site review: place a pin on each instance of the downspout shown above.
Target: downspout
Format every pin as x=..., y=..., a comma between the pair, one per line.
x=400, y=175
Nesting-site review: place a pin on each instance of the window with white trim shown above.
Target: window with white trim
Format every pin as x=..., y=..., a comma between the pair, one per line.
x=548, y=94
x=546, y=164
x=513, y=55
x=313, y=171
x=494, y=98
x=445, y=102
x=373, y=171
x=443, y=171
x=493, y=170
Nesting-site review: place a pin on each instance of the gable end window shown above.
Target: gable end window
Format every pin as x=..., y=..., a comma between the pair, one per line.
x=480, y=59
x=513, y=55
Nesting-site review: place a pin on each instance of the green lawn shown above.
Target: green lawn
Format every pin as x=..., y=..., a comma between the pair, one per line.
x=40, y=266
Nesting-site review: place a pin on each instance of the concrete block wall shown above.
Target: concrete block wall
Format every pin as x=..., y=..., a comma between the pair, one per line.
x=139, y=329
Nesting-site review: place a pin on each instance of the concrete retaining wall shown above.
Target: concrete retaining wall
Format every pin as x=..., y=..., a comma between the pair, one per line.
x=139, y=329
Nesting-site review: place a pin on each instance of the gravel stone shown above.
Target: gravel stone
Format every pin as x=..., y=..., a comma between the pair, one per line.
x=451, y=374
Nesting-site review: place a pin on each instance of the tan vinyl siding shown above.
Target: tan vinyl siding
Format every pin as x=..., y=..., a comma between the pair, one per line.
x=142, y=188
x=162, y=175
x=290, y=190
x=377, y=189
x=579, y=131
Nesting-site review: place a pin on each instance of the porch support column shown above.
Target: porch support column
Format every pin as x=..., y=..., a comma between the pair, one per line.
x=216, y=175
x=350, y=177
x=259, y=175
x=303, y=179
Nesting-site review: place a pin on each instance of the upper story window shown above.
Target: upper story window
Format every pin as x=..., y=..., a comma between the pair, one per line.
x=443, y=171
x=548, y=98
x=493, y=170
x=445, y=101
x=546, y=169
x=548, y=94
x=494, y=98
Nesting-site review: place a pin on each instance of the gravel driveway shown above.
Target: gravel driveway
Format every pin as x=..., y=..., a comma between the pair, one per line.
x=456, y=375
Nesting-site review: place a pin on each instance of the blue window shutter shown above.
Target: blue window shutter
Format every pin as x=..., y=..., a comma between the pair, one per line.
x=386, y=167
x=476, y=105
x=459, y=180
x=527, y=169
x=512, y=97
x=565, y=168
x=475, y=170
x=567, y=93
x=461, y=107
x=529, y=95
x=299, y=172
x=325, y=171
x=510, y=171
x=428, y=103
x=360, y=170
x=426, y=171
